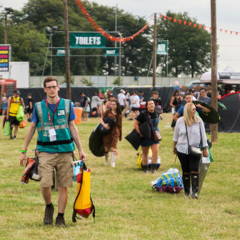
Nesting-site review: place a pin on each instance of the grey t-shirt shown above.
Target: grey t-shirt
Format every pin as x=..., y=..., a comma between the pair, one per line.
x=206, y=100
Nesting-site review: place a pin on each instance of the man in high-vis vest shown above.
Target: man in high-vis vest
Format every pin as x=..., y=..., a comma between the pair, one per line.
x=13, y=104
x=54, y=120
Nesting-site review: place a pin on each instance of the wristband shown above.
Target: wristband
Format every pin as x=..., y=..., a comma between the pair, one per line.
x=23, y=150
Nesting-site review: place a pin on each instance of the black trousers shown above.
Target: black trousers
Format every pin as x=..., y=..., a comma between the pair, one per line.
x=188, y=163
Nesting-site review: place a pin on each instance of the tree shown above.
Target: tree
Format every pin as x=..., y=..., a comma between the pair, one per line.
x=189, y=47
x=28, y=45
x=50, y=13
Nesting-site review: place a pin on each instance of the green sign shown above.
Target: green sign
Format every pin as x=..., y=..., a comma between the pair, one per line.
x=61, y=52
x=111, y=52
x=162, y=47
x=87, y=40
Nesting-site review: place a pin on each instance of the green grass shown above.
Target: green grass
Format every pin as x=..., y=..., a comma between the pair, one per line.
x=126, y=206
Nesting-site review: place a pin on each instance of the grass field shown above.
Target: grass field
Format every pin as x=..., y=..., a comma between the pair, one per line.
x=126, y=206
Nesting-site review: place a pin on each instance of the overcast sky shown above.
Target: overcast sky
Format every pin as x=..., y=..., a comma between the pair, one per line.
x=228, y=18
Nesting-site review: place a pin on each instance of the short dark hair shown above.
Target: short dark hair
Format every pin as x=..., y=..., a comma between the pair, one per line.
x=29, y=94
x=50, y=79
x=203, y=89
x=187, y=94
x=149, y=100
x=191, y=90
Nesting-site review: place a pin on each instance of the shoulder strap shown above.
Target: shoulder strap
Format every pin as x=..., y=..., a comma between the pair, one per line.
x=200, y=132
x=151, y=122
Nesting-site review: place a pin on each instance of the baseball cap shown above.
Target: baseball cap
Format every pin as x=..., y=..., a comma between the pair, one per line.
x=17, y=91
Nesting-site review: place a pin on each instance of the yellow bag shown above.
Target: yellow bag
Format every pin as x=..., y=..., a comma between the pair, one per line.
x=83, y=205
x=139, y=160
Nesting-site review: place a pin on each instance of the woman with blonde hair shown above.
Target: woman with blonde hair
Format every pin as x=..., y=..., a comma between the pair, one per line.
x=189, y=131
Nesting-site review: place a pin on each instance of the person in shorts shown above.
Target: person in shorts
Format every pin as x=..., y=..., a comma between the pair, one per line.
x=135, y=105
x=13, y=104
x=54, y=120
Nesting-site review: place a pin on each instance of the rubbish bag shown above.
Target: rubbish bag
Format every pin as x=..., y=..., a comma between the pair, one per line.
x=20, y=114
x=7, y=129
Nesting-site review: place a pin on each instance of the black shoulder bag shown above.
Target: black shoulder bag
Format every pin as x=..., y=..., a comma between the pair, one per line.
x=193, y=151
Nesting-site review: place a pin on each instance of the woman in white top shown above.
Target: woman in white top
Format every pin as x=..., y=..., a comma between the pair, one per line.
x=135, y=105
x=95, y=104
x=196, y=135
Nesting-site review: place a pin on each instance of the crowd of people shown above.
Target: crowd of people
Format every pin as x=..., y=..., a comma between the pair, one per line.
x=54, y=117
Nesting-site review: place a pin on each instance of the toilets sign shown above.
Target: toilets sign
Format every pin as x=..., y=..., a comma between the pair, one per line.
x=87, y=40
x=162, y=47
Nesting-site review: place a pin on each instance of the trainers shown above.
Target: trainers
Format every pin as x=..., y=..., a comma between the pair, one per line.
x=113, y=164
x=48, y=217
x=60, y=221
x=11, y=137
x=154, y=171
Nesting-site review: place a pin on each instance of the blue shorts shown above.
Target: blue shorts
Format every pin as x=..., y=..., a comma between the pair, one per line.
x=145, y=142
x=4, y=106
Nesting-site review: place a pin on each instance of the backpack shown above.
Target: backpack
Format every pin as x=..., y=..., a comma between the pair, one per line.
x=170, y=181
x=83, y=204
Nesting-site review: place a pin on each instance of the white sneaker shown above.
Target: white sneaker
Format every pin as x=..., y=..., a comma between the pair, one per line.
x=106, y=163
x=113, y=164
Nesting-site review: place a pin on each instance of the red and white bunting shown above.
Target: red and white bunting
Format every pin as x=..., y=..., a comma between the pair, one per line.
x=105, y=34
x=200, y=26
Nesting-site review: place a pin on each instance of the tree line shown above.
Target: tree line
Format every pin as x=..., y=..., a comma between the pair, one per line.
x=188, y=49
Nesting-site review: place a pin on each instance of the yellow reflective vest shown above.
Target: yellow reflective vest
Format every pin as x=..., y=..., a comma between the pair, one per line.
x=15, y=103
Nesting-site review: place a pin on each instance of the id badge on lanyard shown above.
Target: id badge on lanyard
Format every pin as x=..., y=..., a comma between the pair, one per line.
x=52, y=135
x=51, y=131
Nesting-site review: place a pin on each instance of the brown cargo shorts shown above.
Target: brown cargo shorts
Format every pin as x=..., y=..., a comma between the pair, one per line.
x=62, y=163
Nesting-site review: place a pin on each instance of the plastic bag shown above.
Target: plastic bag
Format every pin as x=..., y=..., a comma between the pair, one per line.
x=20, y=114
x=76, y=169
x=7, y=129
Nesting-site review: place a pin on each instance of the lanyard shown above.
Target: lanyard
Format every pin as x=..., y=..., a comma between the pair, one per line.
x=49, y=118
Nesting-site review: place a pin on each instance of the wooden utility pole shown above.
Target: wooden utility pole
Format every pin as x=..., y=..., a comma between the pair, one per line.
x=5, y=30
x=67, y=57
x=214, y=102
x=154, y=50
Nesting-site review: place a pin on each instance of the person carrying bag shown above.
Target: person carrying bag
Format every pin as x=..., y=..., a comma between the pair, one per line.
x=189, y=134
x=151, y=117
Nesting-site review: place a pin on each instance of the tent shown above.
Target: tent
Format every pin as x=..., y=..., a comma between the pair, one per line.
x=230, y=118
x=222, y=78
x=227, y=76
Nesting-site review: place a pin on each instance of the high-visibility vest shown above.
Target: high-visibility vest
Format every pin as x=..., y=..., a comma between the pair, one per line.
x=64, y=141
x=15, y=103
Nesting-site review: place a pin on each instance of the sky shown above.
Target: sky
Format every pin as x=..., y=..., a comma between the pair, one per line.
x=228, y=18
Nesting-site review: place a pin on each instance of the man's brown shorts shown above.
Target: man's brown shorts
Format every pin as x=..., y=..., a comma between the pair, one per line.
x=63, y=164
